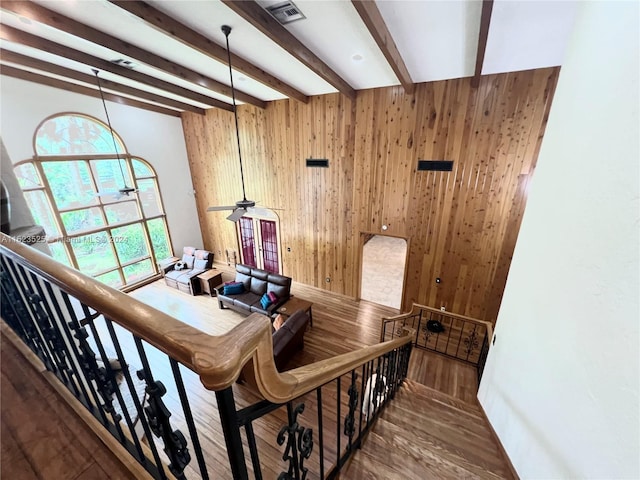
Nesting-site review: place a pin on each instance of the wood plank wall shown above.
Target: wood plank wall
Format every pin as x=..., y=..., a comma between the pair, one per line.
x=460, y=226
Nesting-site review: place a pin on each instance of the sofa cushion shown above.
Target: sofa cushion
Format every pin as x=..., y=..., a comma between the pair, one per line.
x=246, y=300
x=188, y=260
x=273, y=297
x=279, y=285
x=259, y=287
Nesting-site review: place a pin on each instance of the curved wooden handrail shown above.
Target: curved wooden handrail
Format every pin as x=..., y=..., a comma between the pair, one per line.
x=218, y=360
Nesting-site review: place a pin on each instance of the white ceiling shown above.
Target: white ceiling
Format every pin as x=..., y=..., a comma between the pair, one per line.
x=437, y=40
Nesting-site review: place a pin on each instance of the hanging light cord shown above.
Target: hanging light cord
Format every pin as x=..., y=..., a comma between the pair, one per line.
x=113, y=137
x=226, y=29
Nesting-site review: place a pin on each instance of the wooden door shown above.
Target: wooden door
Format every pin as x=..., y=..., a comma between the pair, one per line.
x=259, y=242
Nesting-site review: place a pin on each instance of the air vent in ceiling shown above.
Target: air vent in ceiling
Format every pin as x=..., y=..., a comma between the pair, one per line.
x=124, y=63
x=285, y=12
x=435, y=165
x=318, y=162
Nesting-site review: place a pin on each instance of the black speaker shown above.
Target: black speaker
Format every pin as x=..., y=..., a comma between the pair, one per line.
x=435, y=165
x=318, y=162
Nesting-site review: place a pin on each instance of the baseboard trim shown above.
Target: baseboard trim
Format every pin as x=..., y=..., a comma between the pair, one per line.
x=500, y=446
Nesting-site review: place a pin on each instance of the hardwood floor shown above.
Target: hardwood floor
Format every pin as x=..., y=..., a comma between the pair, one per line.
x=42, y=438
x=340, y=325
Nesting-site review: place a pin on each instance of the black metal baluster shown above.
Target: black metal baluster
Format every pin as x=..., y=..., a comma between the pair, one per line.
x=471, y=343
x=51, y=332
x=320, y=432
x=86, y=360
x=349, y=421
x=231, y=430
x=253, y=450
x=30, y=316
x=175, y=444
x=177, y=375
x=70, y=344
x=127, y=376
x=299, y=445
x=361, y=404
x=105, y=377
x=18, y=309
x=339, y=433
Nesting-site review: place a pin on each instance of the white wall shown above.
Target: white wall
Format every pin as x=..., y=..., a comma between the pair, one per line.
x=157, y=138
x=561, y=383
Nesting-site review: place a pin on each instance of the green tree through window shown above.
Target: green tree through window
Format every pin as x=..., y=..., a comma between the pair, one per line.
x=117, y=239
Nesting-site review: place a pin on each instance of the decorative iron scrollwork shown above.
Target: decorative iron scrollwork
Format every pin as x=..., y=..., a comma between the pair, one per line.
x=175, y=443
x=103, y=378
x=349, y=422
x=299, y=446
x=471, y=342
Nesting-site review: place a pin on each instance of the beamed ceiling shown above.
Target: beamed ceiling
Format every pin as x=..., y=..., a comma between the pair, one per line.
x=170, y=56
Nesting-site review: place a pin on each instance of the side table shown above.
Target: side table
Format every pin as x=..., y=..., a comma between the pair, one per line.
x=209, y=280
x=293, y=305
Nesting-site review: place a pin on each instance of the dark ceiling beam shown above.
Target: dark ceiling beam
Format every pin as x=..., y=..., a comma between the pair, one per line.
x=195, y=40
x=25, y=61
x=372, y=18
x=269, y=26
x=14, y=35
x=75, y=88
x=48, y=17
x=485, y=21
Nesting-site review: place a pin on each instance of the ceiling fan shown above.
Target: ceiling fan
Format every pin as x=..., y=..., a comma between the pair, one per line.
x=125, y=191
x=241, y=206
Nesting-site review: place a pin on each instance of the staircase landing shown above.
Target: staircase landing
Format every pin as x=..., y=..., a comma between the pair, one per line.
x=423, y=434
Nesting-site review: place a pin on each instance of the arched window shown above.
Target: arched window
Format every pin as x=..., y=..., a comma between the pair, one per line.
x=72, y=186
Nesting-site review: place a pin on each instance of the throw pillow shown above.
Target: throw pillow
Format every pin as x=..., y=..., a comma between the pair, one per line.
x=265, y=302
x=233, y=289
x=272, y=297
x=200, y=264
x=188, y=260
x=278, y=322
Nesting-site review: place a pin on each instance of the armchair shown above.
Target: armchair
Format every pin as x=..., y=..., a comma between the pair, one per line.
x=182, y=274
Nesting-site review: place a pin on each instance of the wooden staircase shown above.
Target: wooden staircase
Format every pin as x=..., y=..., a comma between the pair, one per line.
x=424, y=434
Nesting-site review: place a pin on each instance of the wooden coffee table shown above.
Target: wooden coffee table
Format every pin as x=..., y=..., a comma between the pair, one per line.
x=293, y=305
x=209, y=280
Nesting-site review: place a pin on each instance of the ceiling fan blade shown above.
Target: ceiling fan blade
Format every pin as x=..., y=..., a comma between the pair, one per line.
x=220, y=208
x=237, y=214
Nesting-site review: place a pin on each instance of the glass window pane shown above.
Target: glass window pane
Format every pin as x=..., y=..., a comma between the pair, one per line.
x=130, y=242
x=70, y=183
x=59, y=253
x=141, y=169
x=82, y=220
x=138, y=271
x=94, y=253
x=74, y=135
x=112, y=279
x=109, y=178
x=159, y=238
x=149, y=197
x=27, y=176
x=42, y=212
x=120, y=212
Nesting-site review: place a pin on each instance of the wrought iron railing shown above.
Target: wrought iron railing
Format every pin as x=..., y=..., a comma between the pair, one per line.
x=137, y=370
x=450, y=334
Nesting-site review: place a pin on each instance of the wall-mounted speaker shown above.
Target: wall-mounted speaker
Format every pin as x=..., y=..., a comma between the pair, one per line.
x=435, y=165
x=317, y=163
